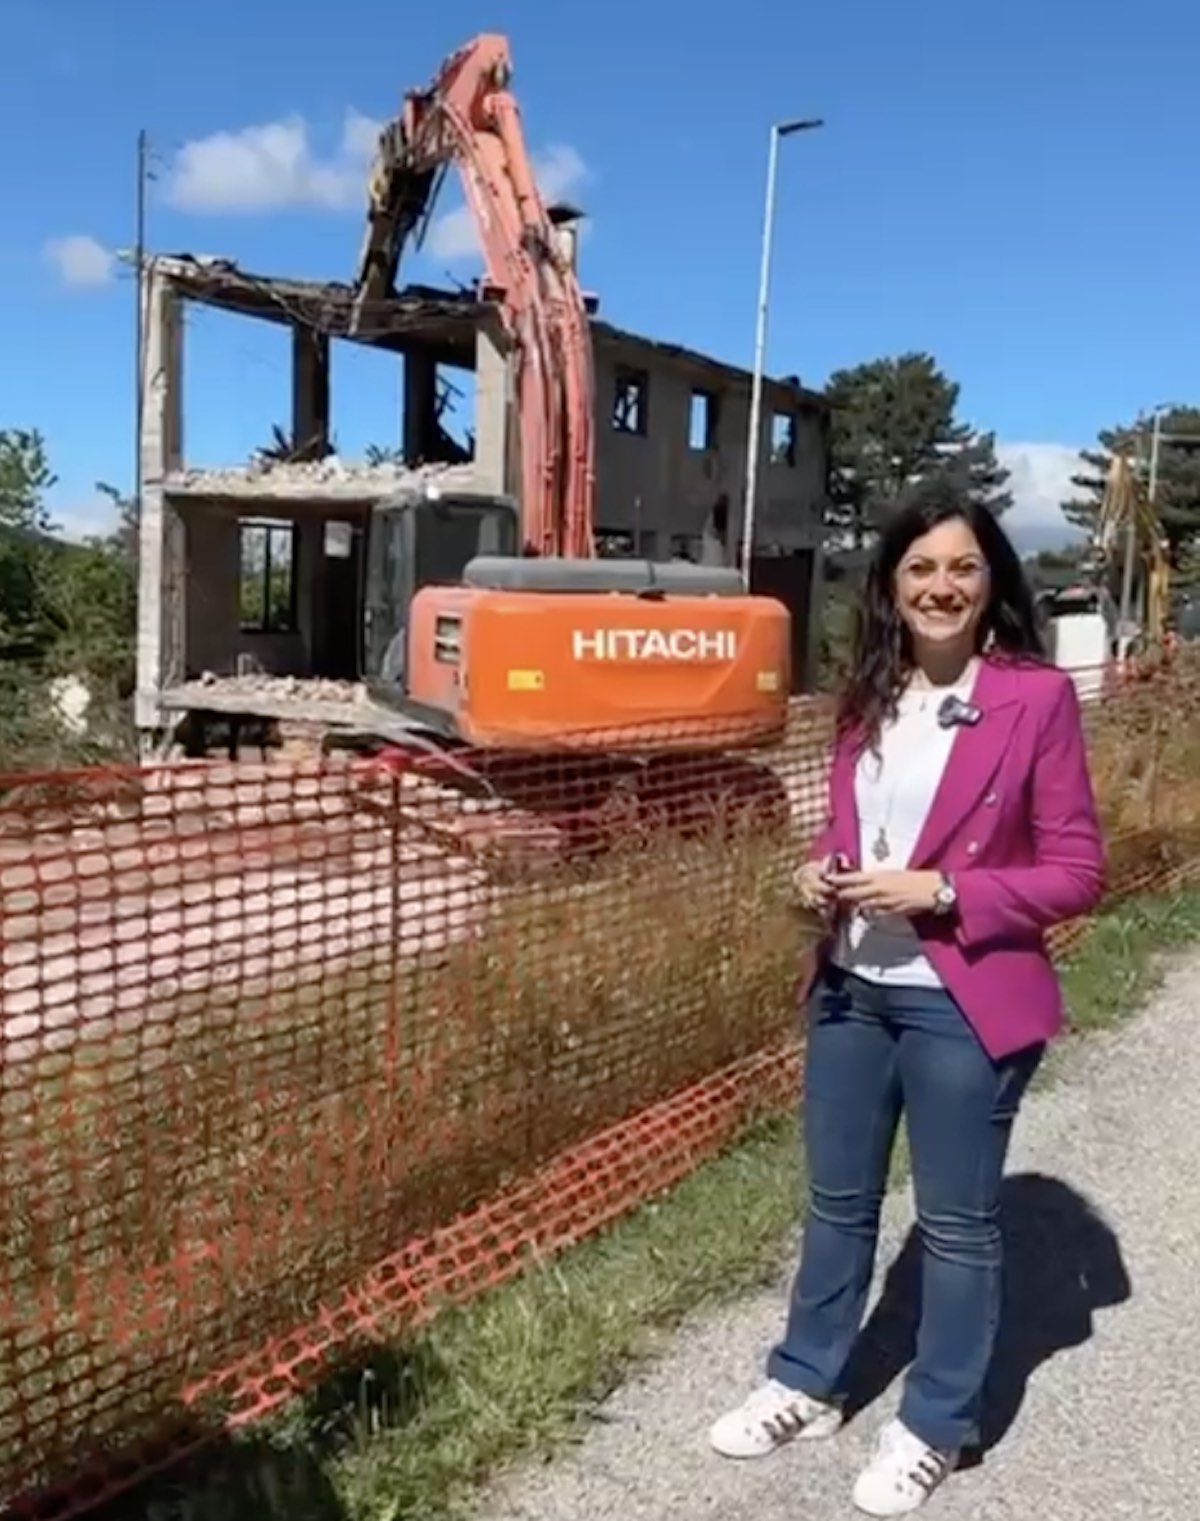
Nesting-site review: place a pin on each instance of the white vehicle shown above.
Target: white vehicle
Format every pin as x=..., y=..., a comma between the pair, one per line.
x=1081, y=636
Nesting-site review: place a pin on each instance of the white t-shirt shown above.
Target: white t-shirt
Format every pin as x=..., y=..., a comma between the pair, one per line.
x=894, y=791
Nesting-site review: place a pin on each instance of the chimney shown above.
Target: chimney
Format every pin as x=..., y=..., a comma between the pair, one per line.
x=565, y=220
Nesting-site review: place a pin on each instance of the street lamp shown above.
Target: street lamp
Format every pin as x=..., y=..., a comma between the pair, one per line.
x=779, y=131
x=1157, y=439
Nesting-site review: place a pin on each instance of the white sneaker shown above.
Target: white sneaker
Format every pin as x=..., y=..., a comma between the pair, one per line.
x=902, y=1474
x=768, y=1418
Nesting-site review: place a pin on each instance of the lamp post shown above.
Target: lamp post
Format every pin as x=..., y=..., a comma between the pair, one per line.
x=139, y=321
x=779, y=131
x=1156, y=438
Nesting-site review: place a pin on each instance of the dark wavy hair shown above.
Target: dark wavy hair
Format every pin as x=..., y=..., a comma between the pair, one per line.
x=883, y=657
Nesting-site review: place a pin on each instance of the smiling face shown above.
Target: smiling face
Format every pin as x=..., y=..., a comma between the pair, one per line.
x=942, y=585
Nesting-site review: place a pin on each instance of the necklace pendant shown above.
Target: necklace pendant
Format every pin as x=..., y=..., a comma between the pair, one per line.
x=881, y=849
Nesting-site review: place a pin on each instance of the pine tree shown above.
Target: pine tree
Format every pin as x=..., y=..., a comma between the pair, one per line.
x=25, y=477
x=894, y=428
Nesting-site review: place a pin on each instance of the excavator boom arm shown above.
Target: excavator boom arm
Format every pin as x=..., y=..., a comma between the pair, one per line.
x=1126, y=506
x=469, y=118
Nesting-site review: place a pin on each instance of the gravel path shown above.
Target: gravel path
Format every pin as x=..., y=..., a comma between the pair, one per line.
x=1096, y=1386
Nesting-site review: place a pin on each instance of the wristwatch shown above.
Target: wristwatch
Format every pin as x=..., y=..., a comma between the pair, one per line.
x=945, y=898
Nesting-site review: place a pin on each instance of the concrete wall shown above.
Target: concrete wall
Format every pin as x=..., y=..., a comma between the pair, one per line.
x=161, y=584
x=654, y=485
x=214, y=638
x=657, y=483
x=494, y=456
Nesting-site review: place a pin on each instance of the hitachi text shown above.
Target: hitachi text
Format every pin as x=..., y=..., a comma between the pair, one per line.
x=654, y=644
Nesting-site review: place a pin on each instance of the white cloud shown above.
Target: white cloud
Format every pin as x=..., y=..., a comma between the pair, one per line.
x=360, y=135
x=273, y=166
x=1040, y=481
x=560, y=172
x=81, y=261
x=82, y=517
x=277, y=166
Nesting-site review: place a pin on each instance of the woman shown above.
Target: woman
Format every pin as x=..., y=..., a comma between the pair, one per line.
x=961, y=827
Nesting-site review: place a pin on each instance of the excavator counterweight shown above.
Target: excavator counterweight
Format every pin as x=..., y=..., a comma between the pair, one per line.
x=577, y=654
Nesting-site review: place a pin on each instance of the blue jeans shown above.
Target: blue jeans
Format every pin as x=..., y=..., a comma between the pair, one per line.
x=874, y=1052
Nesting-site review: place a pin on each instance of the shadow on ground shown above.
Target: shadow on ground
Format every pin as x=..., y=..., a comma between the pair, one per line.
x=282, y=1469
x=1062, y=1264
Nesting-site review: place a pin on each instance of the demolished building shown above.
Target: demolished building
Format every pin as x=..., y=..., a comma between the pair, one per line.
x=251, y=578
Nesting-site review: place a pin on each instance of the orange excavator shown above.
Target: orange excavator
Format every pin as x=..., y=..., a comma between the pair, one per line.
x=491, y=623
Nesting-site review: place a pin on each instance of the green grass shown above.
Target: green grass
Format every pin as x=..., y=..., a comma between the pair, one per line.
x=408, y=1429
x=1119, y=963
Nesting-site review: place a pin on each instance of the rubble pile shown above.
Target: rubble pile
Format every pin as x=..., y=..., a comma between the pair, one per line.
x=331, y=477
x=285, y=688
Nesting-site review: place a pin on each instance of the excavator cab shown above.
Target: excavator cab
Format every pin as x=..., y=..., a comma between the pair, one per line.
x=415, y=540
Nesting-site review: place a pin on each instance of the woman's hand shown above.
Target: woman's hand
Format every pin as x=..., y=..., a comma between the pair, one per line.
x=814, y=888
x=887, y=892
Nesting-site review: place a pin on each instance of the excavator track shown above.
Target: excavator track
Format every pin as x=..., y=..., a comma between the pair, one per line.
x=559, y=809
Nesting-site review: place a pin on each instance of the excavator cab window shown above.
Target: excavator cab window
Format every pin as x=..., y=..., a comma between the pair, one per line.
x=424, y=542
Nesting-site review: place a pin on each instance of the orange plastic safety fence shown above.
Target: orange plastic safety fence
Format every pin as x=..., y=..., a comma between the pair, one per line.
x=289, y=1054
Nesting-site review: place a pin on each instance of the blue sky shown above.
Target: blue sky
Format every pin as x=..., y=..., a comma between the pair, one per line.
x=1008, y=186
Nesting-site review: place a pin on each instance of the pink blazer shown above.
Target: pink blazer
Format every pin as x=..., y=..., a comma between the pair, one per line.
x=1014, y=822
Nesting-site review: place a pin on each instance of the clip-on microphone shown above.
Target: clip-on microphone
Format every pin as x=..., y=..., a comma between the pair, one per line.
x=953, y=711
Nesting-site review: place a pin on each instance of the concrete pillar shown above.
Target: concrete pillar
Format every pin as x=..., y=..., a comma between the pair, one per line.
x=822, y=443
x=494, y=455
x=162, y=569
x=420, y=406
x=310, y=389
x=816, y=618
